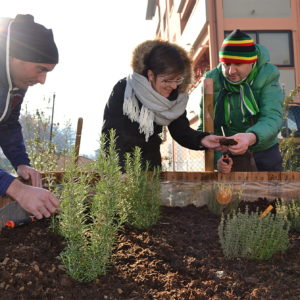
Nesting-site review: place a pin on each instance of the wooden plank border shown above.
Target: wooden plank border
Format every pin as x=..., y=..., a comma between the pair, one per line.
x=207, y=176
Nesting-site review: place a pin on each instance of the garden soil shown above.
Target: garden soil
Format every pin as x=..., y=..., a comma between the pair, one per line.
x=179, y=258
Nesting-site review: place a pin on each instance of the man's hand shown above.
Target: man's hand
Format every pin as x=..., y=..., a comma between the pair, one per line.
x=39, y=202
x=27, y=173
x=244, y=141
x=224, y=167
x=213, y=142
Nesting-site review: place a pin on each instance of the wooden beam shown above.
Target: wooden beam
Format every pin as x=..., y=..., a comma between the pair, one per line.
x=78, y=139
x=208, y=115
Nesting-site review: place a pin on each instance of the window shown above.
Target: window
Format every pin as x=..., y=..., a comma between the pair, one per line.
x=257, y=8
x=279, y=44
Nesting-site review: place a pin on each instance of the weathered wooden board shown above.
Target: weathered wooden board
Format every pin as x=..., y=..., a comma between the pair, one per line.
x=184, y=188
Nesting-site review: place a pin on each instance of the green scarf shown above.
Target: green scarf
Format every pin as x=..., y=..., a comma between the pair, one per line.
x=248, y=103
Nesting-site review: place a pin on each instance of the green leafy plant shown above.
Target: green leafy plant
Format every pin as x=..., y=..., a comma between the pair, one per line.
x=111, y=186
x=288, y=146
x=93, y=214
x=249, y=235
x=288, y=149
x=142, y=192
x=46, y=151
x=291, y=210
x=222, y=199
x=90, y=217
x=73, y=223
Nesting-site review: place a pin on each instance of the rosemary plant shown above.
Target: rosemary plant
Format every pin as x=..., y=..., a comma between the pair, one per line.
x=90, y=221
x=73, y=225
x=142, y=192
x=110, y=189
x=248, y=235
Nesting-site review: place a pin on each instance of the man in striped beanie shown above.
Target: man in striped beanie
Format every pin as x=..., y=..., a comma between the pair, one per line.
x=248, y=105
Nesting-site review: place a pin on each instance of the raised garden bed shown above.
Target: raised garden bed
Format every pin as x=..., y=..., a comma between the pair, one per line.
x=179, y=258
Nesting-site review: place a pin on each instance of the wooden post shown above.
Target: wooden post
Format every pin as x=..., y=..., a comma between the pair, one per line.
x=208, y=114
x=78, y=139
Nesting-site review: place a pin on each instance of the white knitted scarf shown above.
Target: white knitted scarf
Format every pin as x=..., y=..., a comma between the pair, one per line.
x=155, y=107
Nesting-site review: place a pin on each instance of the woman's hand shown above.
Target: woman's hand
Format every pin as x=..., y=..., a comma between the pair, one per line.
x=213, y=142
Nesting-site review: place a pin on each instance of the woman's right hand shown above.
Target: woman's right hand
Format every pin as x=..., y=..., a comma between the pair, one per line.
x=213, y=142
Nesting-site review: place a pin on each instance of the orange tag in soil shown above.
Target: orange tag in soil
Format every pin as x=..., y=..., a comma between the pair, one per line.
x=266, y=211
x=224, y=196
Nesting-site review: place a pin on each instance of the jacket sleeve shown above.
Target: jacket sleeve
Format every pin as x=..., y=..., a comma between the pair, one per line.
x=270, y=118
x=113, y=118
x=184, y=135
x=5, y=181
x=113, y=111
x=11, y=140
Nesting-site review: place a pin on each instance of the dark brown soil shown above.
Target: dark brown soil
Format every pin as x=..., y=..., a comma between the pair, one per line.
x=180, y=258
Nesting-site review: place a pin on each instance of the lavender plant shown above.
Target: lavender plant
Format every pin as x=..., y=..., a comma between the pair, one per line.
x=248, y=235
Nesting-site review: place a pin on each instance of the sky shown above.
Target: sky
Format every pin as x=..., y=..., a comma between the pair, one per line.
x=95, y=40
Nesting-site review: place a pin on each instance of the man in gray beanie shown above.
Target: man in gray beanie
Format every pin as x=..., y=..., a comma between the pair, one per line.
x=27, y=53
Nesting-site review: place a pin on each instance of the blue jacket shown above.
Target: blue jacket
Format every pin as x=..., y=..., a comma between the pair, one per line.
x=11, y=137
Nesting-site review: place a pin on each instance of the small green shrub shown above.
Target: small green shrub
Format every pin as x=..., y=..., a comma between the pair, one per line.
x=289, y=149
x=225, y=204
x=90, y=216
x=288, y=146
x=73, y=223
x=110, y=187
x=142, y=192
x=247, y=235
x=291, y=211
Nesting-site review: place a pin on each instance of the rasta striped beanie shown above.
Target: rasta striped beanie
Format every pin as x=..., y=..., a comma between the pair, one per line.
x=238, y=48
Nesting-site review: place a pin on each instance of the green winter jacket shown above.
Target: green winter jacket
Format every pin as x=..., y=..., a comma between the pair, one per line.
x=269, y=97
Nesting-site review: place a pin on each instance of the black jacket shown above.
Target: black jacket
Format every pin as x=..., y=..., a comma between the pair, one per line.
x=128, y=135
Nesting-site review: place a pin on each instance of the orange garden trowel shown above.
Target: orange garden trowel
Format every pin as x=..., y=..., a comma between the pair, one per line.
x=266, y=211
x=225, y=157
x=13, y=224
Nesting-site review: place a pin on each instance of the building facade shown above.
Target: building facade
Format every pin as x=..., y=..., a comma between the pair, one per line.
x=200, y=26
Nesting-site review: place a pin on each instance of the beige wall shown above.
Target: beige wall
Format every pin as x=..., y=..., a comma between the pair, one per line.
x=257, y=8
